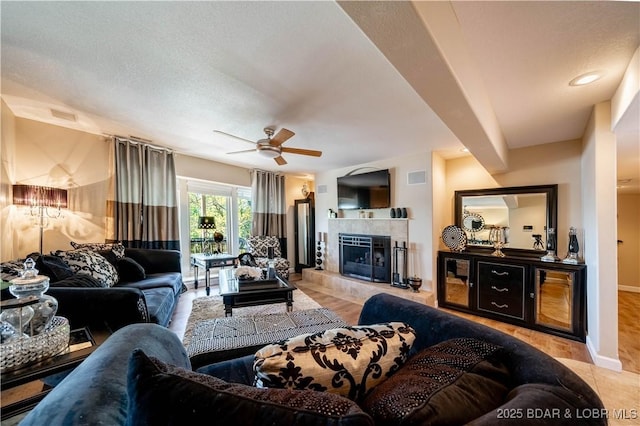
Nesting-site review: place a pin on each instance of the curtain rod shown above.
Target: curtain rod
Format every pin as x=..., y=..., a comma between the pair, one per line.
x=139, y=140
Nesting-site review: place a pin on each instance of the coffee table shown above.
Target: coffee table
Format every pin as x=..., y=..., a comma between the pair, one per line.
x=277, y=290
x=208, y=261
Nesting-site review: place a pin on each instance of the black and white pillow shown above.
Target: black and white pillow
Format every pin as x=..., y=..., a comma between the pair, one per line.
x=348, y=361
x=116, y=248
x=259, y=246
x=85, y=261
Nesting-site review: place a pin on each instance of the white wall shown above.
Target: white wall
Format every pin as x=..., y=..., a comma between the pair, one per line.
x=599, y=212
x=416, y=198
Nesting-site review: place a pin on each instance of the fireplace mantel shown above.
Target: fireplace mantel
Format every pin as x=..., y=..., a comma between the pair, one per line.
x=397, y=229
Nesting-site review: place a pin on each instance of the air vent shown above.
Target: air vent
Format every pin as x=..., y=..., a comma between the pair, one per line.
x=63, y=115
x=417, y=178
x=322, y=189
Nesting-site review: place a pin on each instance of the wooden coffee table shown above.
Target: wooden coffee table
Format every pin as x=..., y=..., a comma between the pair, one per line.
x=256, y=293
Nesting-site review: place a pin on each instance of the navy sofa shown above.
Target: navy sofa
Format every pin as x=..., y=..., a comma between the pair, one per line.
x=96, y=391
x=152, y=299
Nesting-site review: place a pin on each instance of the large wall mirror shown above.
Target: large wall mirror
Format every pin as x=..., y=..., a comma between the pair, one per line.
x=523, y=213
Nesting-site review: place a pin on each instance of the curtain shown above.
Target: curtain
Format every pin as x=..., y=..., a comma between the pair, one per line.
x=268, y=205
x=144, y=210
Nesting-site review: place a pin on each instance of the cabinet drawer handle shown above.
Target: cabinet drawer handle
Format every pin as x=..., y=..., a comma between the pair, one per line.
x=499, y=306
x=493, y=287
x=500, y=274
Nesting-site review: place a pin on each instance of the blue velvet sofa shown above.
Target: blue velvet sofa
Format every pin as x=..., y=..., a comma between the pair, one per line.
x=153, y=298
x=542, y=390
x=148, y=293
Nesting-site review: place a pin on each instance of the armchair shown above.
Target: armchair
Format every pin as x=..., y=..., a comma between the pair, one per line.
x=258, y=246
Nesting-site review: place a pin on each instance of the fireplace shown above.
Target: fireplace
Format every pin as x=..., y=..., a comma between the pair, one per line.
x=367, y=257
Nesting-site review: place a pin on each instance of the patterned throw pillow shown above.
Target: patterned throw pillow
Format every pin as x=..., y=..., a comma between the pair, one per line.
x=450, y=383
x=348, y=361
x=117, y=248
x=259, y=246
x=88, y=262
x=160, y=393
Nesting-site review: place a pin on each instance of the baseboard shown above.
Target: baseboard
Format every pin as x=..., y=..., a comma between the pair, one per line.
x=629, y=288
x=603, y=361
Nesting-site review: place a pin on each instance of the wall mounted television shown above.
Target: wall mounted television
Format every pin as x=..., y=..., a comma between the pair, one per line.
x=370, y=190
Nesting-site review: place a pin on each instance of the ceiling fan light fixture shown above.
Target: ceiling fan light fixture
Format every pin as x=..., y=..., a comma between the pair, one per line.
x=586, y=78
x=269, y=151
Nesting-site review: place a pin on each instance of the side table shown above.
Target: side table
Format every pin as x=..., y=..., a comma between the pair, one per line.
x=82, y=343
x=208, y=261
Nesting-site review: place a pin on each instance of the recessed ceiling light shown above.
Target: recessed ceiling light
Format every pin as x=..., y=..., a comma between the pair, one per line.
x=464, y=150
x=587, y=78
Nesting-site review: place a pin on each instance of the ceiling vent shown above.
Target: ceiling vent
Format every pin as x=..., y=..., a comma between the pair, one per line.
x=63, y=115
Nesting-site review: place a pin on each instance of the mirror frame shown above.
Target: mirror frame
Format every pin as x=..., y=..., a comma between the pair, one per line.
x=551, y=191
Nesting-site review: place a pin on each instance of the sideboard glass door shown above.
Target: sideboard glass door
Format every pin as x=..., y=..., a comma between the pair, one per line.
x=457, y=286
x=554, y=298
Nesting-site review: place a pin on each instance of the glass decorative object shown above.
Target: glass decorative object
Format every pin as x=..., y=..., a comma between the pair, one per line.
x=32, y=284
x=497, y=235
x=574, y=248
x=551, y=246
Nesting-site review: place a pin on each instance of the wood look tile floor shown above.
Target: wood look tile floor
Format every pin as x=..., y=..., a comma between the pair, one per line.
x=619, y=391
x=349, y=310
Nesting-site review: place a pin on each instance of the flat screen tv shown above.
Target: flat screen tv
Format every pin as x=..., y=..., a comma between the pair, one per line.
x=364, y=191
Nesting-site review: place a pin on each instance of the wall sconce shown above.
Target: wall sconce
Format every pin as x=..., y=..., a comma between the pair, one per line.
x=205, y=223
x=40, y=199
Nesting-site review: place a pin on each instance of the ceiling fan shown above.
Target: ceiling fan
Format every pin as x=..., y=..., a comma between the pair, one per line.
x=272, y=147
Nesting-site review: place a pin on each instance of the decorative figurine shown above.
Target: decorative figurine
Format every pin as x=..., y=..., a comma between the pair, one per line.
x=574, y=248
x=551, y=246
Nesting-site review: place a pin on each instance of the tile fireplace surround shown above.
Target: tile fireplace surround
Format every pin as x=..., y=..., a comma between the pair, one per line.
x=397, y=229
x=331, y=282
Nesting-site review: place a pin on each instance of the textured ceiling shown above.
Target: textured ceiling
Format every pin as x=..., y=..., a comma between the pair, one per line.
x=173, y=72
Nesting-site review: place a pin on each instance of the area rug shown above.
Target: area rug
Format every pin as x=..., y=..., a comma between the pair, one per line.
x=210, y=307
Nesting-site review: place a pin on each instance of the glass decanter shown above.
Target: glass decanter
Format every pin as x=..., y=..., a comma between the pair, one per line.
x=32, y=284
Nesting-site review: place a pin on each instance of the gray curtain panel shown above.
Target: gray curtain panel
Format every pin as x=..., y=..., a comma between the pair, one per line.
x=268, y=204
x=145, y=206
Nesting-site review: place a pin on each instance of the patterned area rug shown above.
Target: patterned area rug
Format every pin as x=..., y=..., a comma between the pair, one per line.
x=211, y=307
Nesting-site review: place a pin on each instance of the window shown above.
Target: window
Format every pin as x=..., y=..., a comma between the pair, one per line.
x=230, y=207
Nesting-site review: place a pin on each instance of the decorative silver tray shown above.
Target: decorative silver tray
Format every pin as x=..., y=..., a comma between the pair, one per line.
x=27, y=350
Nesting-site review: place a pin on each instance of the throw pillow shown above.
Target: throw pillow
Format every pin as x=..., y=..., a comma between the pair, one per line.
x=160, y=393
x=129, y=270
x=452, y=382
x=91, y=263
x=78, y=280
x=117, y=248
x=53, y=267
x=348, y=361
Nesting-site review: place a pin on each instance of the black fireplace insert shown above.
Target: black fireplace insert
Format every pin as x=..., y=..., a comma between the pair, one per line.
x=367, y=257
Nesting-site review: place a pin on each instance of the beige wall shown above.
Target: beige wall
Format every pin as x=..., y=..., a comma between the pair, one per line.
x=47, y=155
x=554, y=163
x=43, y=154
x=599, y=211
x=629, y=249
x=416, y=198
x=7, y=171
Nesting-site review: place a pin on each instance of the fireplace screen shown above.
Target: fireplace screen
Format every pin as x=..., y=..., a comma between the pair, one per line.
x=367, y=257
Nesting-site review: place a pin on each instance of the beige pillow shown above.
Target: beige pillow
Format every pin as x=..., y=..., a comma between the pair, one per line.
x=347, y=361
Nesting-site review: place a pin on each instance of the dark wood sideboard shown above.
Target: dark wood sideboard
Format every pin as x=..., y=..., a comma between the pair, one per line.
x=525, y=291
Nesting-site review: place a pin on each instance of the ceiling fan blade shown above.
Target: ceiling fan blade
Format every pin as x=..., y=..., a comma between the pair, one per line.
x=281, y=161
x=233, y=136
x=240, y=152
x=281, y=137
x=301, y=151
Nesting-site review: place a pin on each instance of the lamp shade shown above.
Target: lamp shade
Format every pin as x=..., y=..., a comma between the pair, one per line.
x=206, y=222
x=32, y=195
